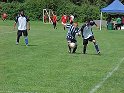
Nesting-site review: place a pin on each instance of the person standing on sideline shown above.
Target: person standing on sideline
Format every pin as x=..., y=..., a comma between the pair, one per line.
x=54, y=20
x=23, y=26
x=64, y=19
x=71, y=19
x=119, y=23
x=73, y=30
x=87, y=35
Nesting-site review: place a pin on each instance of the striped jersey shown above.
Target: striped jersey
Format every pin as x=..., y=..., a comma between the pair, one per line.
x=72, y=31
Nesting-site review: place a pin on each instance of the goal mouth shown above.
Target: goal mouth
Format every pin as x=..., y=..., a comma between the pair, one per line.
x=47, y=16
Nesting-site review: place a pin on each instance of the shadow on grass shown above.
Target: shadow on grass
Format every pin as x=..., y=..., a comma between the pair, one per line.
x=86, y=54
x=30, y=45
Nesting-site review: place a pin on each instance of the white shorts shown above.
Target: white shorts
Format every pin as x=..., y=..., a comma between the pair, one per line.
x=63, y=23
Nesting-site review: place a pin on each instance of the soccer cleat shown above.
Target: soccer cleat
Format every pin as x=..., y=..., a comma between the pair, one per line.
x=84, y=53
x=17, y=43
x=73, y=52
x=69, y=51
x=98, y=52
x=26, y=45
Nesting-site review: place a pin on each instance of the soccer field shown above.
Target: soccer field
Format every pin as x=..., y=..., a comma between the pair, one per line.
x=45, y=66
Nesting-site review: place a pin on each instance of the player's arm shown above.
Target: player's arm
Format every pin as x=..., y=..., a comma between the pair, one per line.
x=95, y=24
x=78, y=32
x=82, y=30
x=16, y=20
x=28, y=24
x=14, y=25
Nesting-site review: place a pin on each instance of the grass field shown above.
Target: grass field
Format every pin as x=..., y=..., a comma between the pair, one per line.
x=46, y=66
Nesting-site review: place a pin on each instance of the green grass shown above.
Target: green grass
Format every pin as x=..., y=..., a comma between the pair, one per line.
x=46, y=66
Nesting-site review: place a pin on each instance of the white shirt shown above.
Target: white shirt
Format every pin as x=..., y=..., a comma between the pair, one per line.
x=22, y=23
x=87, y=32
x=72, y=17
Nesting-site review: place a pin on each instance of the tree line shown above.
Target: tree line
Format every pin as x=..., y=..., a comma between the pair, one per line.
x=33, y=8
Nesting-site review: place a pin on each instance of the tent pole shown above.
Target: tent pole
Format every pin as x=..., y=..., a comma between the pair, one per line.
x=101, y=21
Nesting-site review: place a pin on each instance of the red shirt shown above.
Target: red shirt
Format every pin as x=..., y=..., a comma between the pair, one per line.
x=64, y=19
x=123, y=20
x=54, y=18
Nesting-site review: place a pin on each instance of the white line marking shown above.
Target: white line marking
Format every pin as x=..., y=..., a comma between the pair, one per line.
x=105, y=78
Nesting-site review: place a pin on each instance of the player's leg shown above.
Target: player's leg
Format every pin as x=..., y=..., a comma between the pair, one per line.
x=63, y=25
x=96, y=46
x=69, y=45
x=25, y=33
x=75, y=48
x=55, y=25
x=19, y=34
x=85, y=42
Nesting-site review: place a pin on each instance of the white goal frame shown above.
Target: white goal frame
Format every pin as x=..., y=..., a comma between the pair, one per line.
x=48, y=13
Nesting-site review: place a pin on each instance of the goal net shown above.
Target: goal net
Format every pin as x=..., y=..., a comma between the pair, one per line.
x=47, y=16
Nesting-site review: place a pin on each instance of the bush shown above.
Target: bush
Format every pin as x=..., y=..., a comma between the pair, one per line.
x=34, y=8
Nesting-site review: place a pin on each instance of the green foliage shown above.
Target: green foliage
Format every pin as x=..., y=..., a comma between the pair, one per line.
x=33, y=8
x=47, y=67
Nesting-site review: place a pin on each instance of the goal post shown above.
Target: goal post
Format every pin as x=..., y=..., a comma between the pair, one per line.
x=47, y=14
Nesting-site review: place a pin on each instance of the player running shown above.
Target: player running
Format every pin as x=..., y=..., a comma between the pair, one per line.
x=54, y=20
x=71, y=19
x=87, y=35
x=23, y=25
x=64, y=20
x=73, y=30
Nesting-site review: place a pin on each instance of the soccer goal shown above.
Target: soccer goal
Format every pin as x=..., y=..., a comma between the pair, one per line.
x=47, y=16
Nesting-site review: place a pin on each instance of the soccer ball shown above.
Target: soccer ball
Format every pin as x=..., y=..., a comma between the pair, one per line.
x=72, y=45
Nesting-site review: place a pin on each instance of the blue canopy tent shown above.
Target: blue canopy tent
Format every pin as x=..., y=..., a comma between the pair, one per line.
x=115, y=7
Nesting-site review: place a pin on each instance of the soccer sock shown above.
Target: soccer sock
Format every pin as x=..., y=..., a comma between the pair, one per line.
x=18, y=37
x=74, y=49
x=69, y=48
x=84, y=49
x=64, y=28
x=26, y=40
x=96, y=47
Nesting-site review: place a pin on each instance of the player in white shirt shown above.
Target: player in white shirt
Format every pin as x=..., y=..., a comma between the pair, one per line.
x=87, y=35
x=71, y=19
x=23, y=26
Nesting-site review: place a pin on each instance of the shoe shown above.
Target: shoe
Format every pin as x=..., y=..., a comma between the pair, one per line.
x=73, y=52
x=17, y=43
x=98, y=52
x=69, y=51
x=27, y=45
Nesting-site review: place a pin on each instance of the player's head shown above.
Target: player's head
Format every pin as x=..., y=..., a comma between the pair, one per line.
x=21, y=12
x=75, y=24
x=64, y=13
x=88, y=21
x=54, y=13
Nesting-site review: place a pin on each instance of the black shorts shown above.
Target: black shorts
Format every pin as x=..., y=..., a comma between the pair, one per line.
x=25, y=33
x=85, y=41
x=54, y=23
